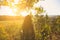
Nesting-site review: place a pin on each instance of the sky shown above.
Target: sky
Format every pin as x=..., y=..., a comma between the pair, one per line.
x=52, y=7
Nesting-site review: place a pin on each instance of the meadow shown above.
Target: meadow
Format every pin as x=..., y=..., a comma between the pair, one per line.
x=45, y=28
x=10, y=29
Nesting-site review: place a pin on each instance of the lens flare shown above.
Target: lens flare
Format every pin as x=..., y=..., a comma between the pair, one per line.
x=24, y=13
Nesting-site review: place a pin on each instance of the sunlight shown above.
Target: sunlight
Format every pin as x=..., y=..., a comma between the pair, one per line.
x=33, y=11
x=24, y=13
x=16, y=1
x=12, y=9
x=10, y=12
x=5, y=10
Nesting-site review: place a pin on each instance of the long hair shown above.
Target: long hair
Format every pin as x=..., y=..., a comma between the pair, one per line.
x=28, y=30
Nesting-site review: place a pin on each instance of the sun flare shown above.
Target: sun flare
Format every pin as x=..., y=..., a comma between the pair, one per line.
x=24, y=13
x=13, y=10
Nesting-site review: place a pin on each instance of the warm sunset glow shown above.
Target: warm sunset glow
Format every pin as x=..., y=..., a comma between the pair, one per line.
x=24, y=13
x=5, y=10
x=11, y=11
x=33, y=11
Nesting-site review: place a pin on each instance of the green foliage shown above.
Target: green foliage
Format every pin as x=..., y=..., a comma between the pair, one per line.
x=39, y=10
x=46, y=28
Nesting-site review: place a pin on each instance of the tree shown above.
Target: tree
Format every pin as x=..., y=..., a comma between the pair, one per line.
x=5, y=2
x=21, y=5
